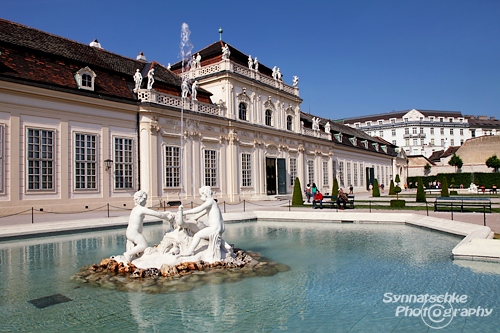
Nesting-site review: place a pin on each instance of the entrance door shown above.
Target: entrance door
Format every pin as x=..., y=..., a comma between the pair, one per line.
x=370, y=177
x=281, y=176
x=271, y=176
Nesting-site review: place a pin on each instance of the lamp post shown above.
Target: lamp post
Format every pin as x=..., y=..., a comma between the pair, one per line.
x=108, y=164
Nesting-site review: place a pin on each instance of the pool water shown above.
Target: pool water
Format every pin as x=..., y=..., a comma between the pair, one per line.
x=341, y=279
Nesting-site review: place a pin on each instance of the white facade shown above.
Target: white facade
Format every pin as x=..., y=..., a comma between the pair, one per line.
x=417, y=132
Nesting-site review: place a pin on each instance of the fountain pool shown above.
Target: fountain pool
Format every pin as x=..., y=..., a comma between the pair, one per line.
x=343, y=278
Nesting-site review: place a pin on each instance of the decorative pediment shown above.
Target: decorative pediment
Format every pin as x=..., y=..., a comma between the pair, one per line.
x=85, y=78
x=384, y=148
x=354, y=141
x=269, y=104
x=365, y=143
x=338, y=137
x=376, y=146
x=243, y=97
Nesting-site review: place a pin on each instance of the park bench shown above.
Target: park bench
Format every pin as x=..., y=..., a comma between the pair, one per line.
x=433, y=191
x=330, y=201
x=462, y=202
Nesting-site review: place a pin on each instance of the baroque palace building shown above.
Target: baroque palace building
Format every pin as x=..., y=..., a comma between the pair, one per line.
x=81, y=127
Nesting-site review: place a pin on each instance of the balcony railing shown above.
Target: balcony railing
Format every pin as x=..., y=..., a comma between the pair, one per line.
x=227, y=65
x=153, y=96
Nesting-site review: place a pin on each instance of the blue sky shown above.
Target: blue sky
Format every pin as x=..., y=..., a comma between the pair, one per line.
x=353, y=57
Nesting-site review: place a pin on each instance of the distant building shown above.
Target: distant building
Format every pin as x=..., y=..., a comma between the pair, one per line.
x=482, y=125
x=417, y=132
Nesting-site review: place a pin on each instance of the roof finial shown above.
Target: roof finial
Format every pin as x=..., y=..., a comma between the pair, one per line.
x=220, y=33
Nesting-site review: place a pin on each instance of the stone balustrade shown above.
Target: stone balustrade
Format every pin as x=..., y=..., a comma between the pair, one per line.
x=153, y=96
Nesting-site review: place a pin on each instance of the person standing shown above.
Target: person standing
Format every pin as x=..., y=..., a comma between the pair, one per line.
x=308, y=192
x=314, y=189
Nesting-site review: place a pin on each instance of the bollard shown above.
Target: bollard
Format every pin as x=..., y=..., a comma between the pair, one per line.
x=32, y=215
x=289, y=205
x=370, y=202
x=108, y=210
x=164, y=205
x=484, y=215
x=243, y=205
x=427, y=207
x=452, y=211
x=224, y=206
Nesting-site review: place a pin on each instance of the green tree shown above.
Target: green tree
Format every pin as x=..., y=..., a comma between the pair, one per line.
x=420, y=191
x=397, y=180
x=376, y=190
x=456, y=161
x=397, y=190
x=427, y=168
x=444, y=188
x=297, y=199
x=493, y=162
x=335, y=188
x=391, y=188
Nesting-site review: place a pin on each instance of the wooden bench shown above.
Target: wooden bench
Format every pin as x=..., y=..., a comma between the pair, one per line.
x=462, y=202
x=332, y=202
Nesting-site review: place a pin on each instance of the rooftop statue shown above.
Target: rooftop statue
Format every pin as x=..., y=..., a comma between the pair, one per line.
x=274, y=73
x=315, y=124
x=185, y=88
x=194, y=90
x=327, y=127
x=278, y=74
x=225, y=52
x=256, y=64
x=295, y=80
x=151, y=78
x=137, y=80
x=198, y=60
x=250, y=62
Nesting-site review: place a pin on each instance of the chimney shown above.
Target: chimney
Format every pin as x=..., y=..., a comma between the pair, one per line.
x=492, y=118
x=141, y=57
x=95, y=43
x=482, y=117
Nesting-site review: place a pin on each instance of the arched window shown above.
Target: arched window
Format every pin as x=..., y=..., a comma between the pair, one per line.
x=289, y=121
x=269, y=117
x=242, y=111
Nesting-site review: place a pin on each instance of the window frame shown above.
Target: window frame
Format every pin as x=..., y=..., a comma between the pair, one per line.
x=246, y=170
x=243, y=111
x=172, y=166
x=89, y=164
x=268, y=117
x=122, y=164
x=50, y=177
x=210, y=168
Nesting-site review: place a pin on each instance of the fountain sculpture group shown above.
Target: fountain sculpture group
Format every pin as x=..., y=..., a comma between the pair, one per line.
x=189, y=247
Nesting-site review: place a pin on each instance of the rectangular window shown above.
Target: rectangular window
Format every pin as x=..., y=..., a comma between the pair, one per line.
x=40, y=148
x=326, y=180
x=246, y=170
x=415, y=142
x=461, y=131
x=442, y=142
x=407, y=130
x=172, y=167
x=349, y=180
x=452, y=142
x=393, y=132
x=293, y=170
x=387, y=175
x=451, y=131
x=441, y=130
x=393, y=121
x=431, y=118
x=124, y=163
x=341, y=174
x=334, y=169
x=421, y=130
x=380, y=122
x=381, y=133
x=394, y=142
x=210, y=168
x=432, y=141
x=85, y=161
x=355, y=174
x=407, y=142
x=361, y=175
x=432, y=130
x=382, y=178
x=414, y=130
x=310, y=171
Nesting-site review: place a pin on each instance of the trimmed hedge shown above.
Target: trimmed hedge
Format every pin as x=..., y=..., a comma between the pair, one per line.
x=398, y=203
x=479, y=178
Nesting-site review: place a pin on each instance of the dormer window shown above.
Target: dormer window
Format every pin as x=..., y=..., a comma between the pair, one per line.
x=85, y=78
x=365, y=143
x=354, y=141
x=375, y=145
x=338, y=136
x=384, y=148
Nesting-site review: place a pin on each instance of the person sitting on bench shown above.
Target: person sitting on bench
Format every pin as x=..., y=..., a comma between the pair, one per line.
x=318, y=197
x=342, y=198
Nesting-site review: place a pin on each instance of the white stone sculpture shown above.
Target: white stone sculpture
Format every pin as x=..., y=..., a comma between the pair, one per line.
x=295, y=80
x=327, y=127
x=185, y=88
x=137, y=80
x=472, y=188
x=198, y=60
x=315, y=124
x=194, y=90
x=136, y=242
x=193, y=63
x=169, y=66
x=250, y=62
x=151, y=78
x=278, y=74
x=274, y=72
x=256, y=64
x=225, y=52
x=185, y=241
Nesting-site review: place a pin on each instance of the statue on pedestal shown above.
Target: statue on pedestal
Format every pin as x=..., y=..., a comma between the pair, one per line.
x=137, y=80
x=250, y=62
x=295, y=80
x=194, y=90
x=225, y=52
x=151, y=78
